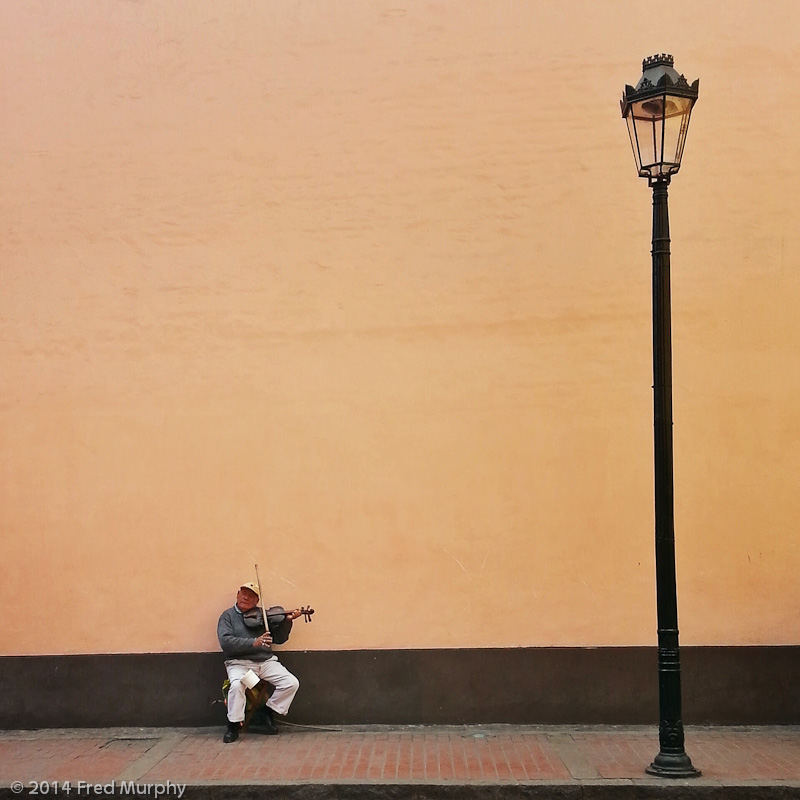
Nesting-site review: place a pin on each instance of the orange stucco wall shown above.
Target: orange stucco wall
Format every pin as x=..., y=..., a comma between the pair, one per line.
x=361, y=291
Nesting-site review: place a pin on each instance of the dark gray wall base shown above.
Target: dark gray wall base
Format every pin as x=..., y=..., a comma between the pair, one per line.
x=606, y=685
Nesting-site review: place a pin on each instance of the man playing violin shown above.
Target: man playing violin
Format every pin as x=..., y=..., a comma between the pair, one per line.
x=247, y=644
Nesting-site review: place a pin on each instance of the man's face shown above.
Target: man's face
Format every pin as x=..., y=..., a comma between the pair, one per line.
x=246, y=599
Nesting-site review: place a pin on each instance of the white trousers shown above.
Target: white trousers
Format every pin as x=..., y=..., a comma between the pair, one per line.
x=272, y=671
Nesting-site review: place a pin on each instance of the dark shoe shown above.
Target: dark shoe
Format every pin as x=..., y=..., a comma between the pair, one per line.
x=271, y=729
x=232, y=733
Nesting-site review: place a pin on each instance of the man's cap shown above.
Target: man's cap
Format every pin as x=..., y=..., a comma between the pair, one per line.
x=253, y=587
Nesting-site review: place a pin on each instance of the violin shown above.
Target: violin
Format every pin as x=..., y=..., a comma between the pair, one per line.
x=278, y=613
x=274, y=616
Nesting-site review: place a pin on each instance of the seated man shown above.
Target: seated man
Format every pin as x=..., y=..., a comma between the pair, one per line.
x=248, y=646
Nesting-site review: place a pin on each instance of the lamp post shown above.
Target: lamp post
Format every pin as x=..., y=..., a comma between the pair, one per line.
x=657, y=112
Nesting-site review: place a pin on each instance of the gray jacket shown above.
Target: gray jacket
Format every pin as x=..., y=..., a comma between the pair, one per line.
x=236, y=639
x=236, y=636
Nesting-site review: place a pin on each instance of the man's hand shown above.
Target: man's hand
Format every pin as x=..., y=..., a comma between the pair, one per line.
x=263, y=641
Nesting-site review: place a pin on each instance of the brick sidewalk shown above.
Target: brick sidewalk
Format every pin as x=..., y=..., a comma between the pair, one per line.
x=418, y=762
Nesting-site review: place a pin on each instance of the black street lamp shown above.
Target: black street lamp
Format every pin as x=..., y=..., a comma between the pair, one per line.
x=657, y=112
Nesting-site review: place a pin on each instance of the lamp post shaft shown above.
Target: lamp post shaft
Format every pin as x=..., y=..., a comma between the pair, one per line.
x=671, y=760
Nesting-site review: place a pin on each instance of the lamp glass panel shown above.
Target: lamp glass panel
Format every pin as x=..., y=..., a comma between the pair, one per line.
x=629, y=119
x=687, y=104
x=648, y=127
x=676, y=122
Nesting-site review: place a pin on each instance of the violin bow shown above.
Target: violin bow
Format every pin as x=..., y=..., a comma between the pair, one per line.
x=305, y=610
x=261, y=598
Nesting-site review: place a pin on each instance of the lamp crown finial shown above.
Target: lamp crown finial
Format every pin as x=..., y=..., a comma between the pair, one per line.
x=656, y=60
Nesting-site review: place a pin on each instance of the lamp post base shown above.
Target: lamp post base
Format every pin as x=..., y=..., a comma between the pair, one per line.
x=677, y=765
